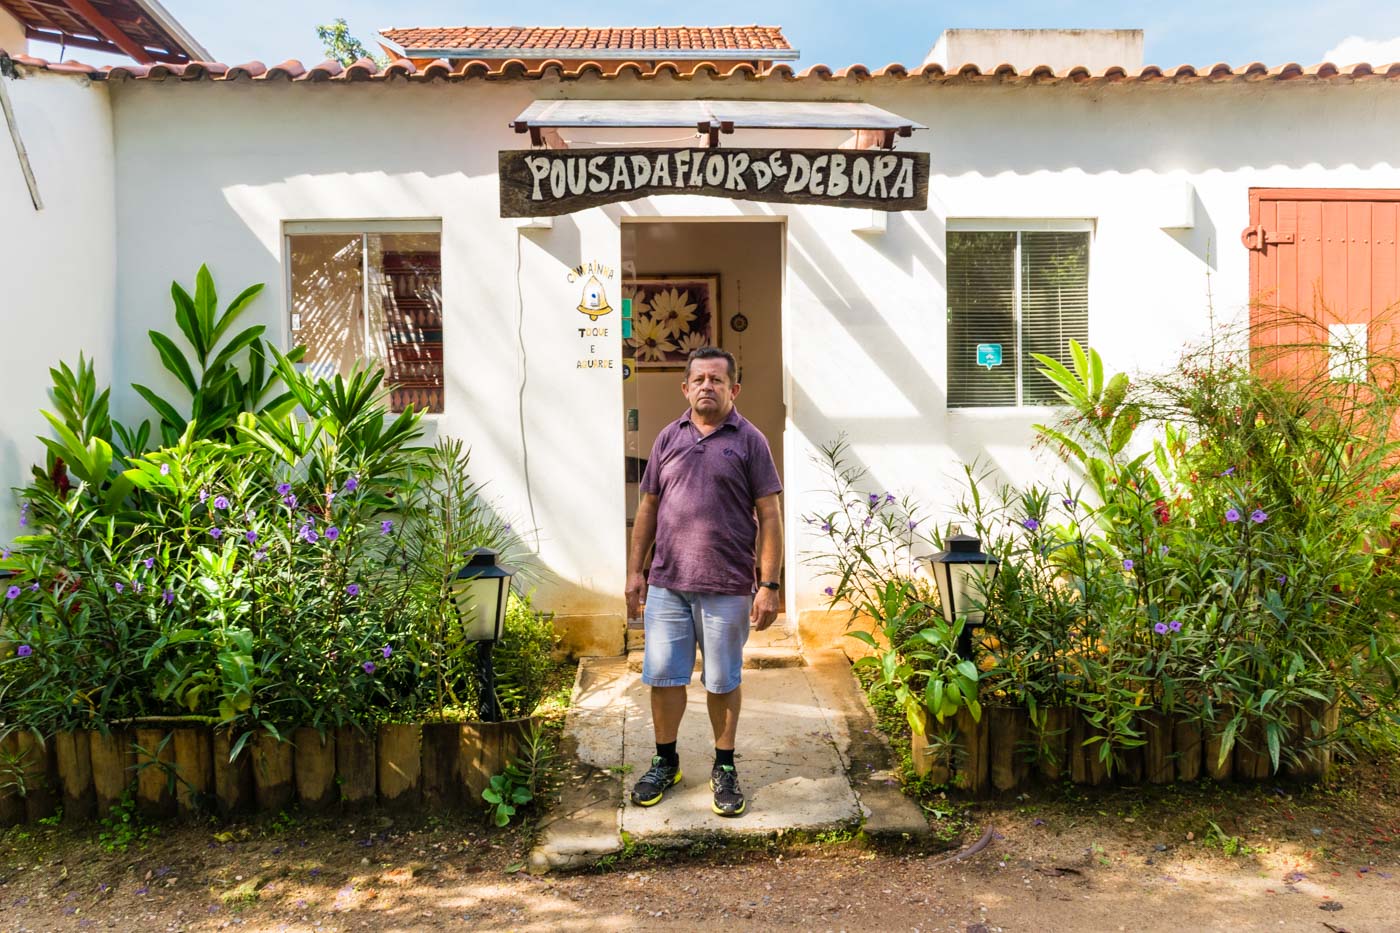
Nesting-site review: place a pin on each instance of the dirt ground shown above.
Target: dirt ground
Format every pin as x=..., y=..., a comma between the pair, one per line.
x=1197, y=857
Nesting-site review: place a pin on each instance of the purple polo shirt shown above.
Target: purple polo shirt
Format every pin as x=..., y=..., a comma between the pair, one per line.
x=707, y=485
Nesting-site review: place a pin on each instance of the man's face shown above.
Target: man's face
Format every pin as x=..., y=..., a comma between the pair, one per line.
x=708, y=389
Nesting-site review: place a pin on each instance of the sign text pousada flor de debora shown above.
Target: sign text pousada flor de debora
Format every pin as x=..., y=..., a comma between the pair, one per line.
x=542, y=182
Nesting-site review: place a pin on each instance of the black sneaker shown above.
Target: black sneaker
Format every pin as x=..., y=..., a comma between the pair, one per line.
x=660, y=777
x=729, y=799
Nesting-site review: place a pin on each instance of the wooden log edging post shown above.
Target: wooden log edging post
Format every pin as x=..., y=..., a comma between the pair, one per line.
x=1053, y=743
x=314, y=768
x=272, y=772
x=113, y=767
x=355, y=765
x=73, y=750
x=155, y=760
x=233, y=776
x=194, y=770
x=399, y=757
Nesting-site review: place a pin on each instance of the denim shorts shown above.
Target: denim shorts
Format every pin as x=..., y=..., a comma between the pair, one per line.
x=677, y=622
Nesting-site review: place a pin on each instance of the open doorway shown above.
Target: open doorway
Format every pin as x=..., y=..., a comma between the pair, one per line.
x=692, y=283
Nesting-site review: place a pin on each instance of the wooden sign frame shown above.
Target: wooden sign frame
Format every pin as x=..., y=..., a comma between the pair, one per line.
x=548, y=182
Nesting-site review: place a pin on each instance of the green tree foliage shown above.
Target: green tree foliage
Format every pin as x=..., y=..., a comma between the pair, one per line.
x=343, y=47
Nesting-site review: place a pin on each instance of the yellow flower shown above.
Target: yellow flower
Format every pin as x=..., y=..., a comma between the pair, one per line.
x=673, y=310
x=691, y=341
x=650, y=341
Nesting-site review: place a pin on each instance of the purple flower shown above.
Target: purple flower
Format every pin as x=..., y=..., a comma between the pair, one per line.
x=1128, y=564
x=912, y=524
x=312, y=536
x=118, y=586
x=352, y=484
x=283, y=488
x=1232, y=515
x=1164, y=549
x=34, y=587
x=1228, y=471
x=1174, y=625
x=874, y=498
x=830, y=591
x=24, y=651
x=150, y=563
x=1069, y=503
x=12, y=593
x=353, y=589
x=826, y=526
x=216, y=533
x=889, y=497
x=168, y=596
x=203, y=495
x=388, y=651
x=251, y=535
x=290, y=501
x=4, y=553
x=385, y=527
x=1282, y=579
x=867, y=523
x=329, y=496
x=137, y=588
x=1031, y=524
x=332, y=533
x=220, y=502
x=261, y=554
x=369, y=667
x=1160, y=628
x=1258, y=516
x=165, y=469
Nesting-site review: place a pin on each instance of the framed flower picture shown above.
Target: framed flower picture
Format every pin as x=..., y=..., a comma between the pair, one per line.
x=671, y=316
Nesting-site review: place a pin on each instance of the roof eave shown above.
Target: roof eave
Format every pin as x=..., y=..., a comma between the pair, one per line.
x=596, y=54
x=172, y=26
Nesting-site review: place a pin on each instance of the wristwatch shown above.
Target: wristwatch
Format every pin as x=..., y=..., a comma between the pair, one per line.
x=768, y=584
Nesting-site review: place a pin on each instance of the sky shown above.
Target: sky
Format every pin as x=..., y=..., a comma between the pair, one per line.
x=832, y=32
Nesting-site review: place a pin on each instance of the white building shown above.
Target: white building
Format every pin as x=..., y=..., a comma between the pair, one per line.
x=1116, y=193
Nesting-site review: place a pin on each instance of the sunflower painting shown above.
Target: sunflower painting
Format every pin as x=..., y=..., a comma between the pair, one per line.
x=672, y=315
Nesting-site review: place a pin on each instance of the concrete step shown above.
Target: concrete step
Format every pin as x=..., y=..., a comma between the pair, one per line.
x=809, y=759
x=755, y=659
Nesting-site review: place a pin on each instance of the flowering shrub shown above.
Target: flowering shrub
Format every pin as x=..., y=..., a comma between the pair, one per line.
x=268, y=573
x=1232, y=568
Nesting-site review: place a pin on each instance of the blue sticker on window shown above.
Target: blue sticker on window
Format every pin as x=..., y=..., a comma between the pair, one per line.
x=989, y=354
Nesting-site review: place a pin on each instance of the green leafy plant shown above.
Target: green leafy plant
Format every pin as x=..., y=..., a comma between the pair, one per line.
x=520, y=783
x=122, y=827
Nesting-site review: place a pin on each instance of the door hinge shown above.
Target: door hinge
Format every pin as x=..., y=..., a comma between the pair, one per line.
x=1256, y=237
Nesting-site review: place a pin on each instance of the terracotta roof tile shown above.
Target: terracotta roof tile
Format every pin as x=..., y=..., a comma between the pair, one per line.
x=613, y=69
x=558, y=38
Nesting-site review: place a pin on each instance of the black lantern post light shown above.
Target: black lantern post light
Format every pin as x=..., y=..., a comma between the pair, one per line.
x=480, y=592
x=964, y=575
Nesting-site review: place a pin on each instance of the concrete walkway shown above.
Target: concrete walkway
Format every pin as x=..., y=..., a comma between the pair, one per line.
x=809, y=758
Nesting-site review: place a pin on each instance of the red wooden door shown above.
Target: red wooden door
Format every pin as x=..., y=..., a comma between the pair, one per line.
x=1317, y=257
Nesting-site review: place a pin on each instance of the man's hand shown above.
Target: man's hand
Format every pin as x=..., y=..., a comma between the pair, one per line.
x=765, y=608
x=636, y=586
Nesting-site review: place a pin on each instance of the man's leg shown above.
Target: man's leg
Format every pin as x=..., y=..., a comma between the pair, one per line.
x=667, y=708
x=724, y=716
x=725, y=631
x=667, y=662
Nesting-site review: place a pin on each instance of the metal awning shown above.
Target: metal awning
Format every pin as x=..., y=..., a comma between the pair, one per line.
x=711, y=117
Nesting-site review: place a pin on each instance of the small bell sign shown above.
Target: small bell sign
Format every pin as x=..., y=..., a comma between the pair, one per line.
x=594, y=302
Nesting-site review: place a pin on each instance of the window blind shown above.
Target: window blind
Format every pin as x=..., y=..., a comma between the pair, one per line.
x=1054, y=305
x=1023, y=292
x=981, y=310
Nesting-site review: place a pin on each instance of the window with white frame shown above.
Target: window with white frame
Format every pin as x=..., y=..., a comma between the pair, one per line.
x=372, y=293
x=1013, y=293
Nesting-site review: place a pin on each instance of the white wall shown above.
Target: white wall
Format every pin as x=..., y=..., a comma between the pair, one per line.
x=57, y=265
x=863, y=314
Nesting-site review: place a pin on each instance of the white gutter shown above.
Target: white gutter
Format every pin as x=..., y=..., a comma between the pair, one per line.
x=171, y=25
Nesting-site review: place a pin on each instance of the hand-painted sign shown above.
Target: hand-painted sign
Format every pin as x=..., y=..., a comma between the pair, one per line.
x=989, y=354
x=542, y=182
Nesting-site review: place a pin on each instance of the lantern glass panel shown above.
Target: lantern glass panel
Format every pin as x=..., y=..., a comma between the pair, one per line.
x=969, y=586
x=481, y=605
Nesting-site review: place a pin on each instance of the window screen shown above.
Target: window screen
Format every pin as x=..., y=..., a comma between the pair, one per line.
x=372, y=297
x=1012, y=294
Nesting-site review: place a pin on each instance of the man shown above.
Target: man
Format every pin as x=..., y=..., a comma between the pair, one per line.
x=710, y=473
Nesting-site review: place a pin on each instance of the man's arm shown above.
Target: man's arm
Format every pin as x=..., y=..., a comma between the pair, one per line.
x=770, y=560
x=643, y=536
